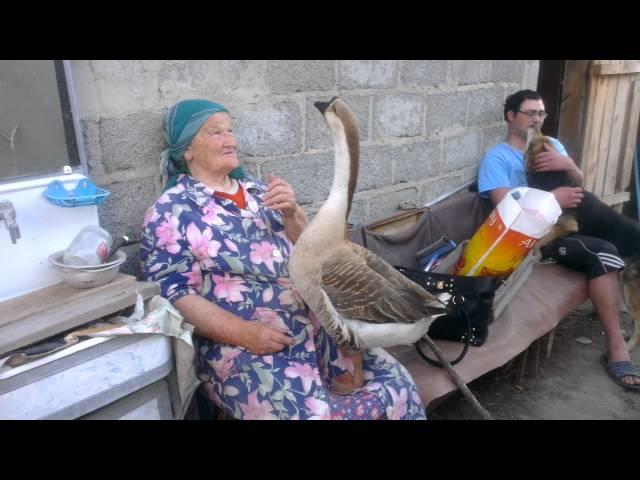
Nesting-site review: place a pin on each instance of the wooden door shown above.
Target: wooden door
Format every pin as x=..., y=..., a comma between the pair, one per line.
x=611, y=111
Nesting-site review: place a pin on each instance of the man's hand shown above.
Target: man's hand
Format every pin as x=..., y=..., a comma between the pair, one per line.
x=280, y=196
x=568, y=197
x=552, y=161
x=260, y=338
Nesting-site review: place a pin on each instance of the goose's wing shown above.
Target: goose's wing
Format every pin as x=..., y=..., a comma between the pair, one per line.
x=361, y=285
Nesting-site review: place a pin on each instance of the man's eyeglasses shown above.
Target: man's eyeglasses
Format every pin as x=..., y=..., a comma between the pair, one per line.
x=533, y=113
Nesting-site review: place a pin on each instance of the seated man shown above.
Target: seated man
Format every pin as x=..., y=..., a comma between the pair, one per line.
x=502, y=168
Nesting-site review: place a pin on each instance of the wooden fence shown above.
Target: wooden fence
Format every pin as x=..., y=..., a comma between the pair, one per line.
x=610, y=128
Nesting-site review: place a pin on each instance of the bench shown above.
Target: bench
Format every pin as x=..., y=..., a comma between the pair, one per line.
x=548, y=295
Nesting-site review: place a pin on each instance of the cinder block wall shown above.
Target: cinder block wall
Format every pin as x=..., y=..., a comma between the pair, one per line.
x=424, y=124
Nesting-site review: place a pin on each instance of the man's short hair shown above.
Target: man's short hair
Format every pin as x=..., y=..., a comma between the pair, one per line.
x=515, y=100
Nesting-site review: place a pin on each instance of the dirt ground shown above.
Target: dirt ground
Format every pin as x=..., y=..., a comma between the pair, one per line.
x=571, y=384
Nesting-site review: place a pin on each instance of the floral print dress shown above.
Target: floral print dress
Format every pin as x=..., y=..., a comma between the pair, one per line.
x=195, y=243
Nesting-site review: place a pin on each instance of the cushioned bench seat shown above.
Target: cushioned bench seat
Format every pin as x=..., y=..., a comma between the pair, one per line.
x=550, y=293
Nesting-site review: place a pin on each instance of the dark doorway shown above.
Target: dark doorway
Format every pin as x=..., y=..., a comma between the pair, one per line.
x=550, y=82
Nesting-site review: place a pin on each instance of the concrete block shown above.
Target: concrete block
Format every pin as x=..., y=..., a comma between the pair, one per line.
x=486, y=106
x=387, y=204
x=467, y=72
x=269, y=129
x=431, y=190
x=240, y=73
x=121, y=85
x=508, y=71
x=84, y=81
x=90, y=128
x=530, y=75
x=414, y=162
x=492, y=136
x=128, y=73
x=423, y=72
x=367, y=74
x=375, y=167
x=470, y=173
x=461, y=151
x=310, y=175
x=317, y=132
x=446, y=110
x=133, y=141
x=398, y=115
x=359, y=211
x=122, y=213
x=179, y=77
x=251, y=167
x=291, y=76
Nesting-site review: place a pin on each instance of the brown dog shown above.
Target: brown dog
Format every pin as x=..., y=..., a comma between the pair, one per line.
x=595, y=218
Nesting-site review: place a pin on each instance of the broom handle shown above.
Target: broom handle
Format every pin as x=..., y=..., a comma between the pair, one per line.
x=457, y=380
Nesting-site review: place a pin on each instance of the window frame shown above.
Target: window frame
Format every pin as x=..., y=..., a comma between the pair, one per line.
x=76, y=159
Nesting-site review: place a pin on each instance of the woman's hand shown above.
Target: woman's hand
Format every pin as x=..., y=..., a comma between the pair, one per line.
x=261, y=339
x=280, y=196
x=568, y=197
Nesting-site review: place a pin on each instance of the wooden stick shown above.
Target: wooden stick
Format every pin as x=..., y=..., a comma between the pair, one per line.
x=457, y=380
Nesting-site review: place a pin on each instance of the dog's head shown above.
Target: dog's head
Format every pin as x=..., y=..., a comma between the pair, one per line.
x=548, y=180
x=535, y=145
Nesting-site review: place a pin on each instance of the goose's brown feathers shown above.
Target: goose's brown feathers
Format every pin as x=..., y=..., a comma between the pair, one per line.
x=361, y=285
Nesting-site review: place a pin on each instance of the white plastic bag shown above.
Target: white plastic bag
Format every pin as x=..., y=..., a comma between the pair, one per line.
x=513, y=228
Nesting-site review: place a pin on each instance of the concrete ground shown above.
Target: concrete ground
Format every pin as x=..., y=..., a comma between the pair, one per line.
x=571, y=384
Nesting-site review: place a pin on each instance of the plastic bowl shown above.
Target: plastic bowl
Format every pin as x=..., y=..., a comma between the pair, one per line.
x=77, y=277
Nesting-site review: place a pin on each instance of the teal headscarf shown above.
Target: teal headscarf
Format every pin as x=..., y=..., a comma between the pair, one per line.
x=181, y=124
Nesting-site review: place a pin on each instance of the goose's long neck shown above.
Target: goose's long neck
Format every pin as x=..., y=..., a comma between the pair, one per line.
x=345, y=171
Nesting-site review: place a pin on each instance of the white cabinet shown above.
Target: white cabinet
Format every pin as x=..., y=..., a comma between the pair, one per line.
x=124, y=377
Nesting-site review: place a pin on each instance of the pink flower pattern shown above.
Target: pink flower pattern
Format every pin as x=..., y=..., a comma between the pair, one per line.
x=305, y=372
x=264, y=252
x=257, y=410
x=202, y=246
x=168, y=234
x=229, y=288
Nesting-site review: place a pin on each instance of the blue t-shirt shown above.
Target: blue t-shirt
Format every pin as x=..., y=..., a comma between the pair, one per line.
x=503, y=167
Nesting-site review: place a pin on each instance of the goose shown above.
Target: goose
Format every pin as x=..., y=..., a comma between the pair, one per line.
x=360, y=300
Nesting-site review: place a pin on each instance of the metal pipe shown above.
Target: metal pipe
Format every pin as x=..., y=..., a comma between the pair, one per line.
x=444, y=196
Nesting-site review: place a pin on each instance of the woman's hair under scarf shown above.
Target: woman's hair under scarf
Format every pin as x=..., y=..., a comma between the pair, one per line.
x=181, y=124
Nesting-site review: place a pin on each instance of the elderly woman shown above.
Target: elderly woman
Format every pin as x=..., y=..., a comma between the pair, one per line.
x=218, y=242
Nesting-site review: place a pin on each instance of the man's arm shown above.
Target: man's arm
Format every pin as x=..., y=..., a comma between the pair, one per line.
x=497, y=194
x=552, y=160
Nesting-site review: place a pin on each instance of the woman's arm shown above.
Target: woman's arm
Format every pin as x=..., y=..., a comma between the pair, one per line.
x=295, y=224
x=222, y=326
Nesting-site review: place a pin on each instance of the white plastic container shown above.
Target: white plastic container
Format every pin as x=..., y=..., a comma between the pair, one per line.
x=90, y=247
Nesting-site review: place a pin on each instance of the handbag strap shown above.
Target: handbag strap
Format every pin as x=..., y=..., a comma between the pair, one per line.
x=465, y=349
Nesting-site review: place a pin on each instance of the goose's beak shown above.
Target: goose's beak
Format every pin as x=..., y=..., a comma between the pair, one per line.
x=322, y=106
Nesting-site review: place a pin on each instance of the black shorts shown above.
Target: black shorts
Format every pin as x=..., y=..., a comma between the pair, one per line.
x=590, y=255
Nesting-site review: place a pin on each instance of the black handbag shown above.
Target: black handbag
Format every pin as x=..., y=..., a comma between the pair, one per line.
x=469, y=311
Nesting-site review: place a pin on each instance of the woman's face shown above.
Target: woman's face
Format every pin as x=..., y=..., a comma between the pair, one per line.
x=214, y=150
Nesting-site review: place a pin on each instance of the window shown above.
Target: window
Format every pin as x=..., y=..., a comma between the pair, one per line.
x=37, y=134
